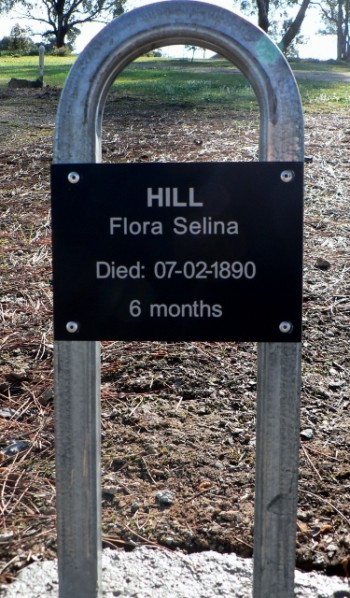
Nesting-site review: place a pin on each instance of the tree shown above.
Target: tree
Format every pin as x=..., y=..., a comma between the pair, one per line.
x=192, y=49
x=294, y=26
x=63, y=17
x=336, y=16
x=273, y=18
x=6, y=5
x=263, y=14
x=19, y=41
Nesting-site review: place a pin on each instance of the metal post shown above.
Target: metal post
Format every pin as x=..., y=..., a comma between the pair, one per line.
x=278, y=415
x=78, y=139
x=77, y=418
x=41, y=62
x=277, y=445
x=77, y=413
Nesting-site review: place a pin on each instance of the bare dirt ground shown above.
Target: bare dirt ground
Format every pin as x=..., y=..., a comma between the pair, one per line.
x=175, y=417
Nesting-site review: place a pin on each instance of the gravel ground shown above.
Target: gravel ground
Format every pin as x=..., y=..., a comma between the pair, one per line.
x=154, y=573
x=185, y=411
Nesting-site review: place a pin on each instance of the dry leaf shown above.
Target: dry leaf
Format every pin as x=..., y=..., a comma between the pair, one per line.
x=325, y=528
x=205, y=484
x=302, y=526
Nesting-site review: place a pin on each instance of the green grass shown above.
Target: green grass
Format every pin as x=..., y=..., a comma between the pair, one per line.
x=171, y=84
x=183, y=81
x=27, y=67
x=159, y=80
x=329, y=66
x=324, y=95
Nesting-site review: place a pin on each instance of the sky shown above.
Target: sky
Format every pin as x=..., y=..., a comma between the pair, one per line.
x=317, y=46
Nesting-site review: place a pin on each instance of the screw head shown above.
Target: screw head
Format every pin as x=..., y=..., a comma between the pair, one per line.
x=286, y=327
x=74, y=177
x=72, y=327
x=287, y=176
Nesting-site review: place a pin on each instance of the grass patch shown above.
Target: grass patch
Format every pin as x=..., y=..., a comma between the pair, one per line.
x=184, y=81
x=184, y=85
x=27, y=67
x=324, y=95
x=329, y=66
x=169, y=81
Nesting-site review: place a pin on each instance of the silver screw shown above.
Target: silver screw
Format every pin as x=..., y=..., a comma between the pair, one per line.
x=72, y=327
x=74, y=177
x=286, y=327
x=287, y=176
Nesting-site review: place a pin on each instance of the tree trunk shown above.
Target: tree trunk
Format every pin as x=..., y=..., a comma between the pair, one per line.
x=263, y=12
x=343, y=38
x=346, y=31
x=294, y=28
x=340, y=32
x=60, y=38
x=61, y=29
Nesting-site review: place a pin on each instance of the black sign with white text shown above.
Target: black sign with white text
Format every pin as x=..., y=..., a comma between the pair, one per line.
x=190, y=251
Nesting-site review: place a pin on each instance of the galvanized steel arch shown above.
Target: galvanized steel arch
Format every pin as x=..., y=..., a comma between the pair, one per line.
x=78, y=125
x=78, y=139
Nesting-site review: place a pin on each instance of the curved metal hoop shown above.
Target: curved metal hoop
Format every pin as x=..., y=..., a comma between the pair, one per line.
x=78, y=130
x=78, y=139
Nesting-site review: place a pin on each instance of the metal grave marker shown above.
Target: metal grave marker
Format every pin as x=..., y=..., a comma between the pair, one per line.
x=203, y=251
x=107, y=285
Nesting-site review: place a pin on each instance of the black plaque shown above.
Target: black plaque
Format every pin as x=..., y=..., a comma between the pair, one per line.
x=190, y=251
